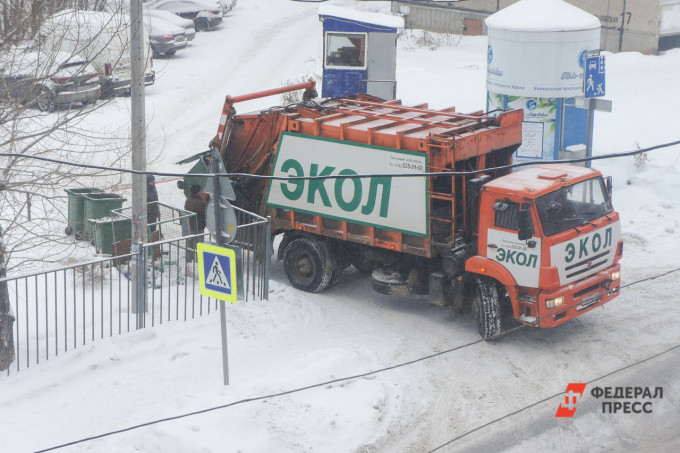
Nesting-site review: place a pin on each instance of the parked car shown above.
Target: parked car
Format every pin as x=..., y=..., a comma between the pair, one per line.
x=206, y=14
x=47, y=80
x=227, y=5
x=102, y=38
x=186, y=24
x=164, y=37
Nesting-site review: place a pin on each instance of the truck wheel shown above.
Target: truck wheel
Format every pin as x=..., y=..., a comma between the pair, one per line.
x=486, y=308
x=390, y=282
x=308, y=264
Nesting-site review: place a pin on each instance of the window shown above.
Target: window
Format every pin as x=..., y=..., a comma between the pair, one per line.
x=506, y=215
x=346, y=50
x=573, y=206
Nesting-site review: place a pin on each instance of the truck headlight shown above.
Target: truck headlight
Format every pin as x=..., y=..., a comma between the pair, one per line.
x=554, y=303
x=616, y=275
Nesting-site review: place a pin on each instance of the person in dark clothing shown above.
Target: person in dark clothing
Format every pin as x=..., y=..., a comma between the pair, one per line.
x=195, y=203
x=153, y=211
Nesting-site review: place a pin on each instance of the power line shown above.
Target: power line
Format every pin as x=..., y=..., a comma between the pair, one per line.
x=369, y=373
x=551, y=397
x=260, y=398
x=359, y=176
x=650, y=278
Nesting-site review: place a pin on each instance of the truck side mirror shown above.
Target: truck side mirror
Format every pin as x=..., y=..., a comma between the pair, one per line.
x=608, y=183
x=526, y=228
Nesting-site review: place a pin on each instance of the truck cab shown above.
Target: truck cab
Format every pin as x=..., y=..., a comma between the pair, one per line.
x=550, y=236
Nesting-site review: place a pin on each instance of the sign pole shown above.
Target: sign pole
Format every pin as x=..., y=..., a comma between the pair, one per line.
x=225, y=352
x=593, y=87
x=589, y=130
x=220, y=241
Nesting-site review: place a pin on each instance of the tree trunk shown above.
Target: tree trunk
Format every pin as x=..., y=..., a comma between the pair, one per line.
x=6, y=316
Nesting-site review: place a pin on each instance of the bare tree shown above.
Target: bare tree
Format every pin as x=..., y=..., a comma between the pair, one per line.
x=32, y=198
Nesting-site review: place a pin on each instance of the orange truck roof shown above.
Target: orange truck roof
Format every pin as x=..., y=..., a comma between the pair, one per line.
x=538, y=180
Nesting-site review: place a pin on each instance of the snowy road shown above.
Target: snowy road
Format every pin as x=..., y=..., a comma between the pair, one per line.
x=471, y=387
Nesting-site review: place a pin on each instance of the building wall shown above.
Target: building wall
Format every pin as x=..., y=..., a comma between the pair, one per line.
x=639, y=19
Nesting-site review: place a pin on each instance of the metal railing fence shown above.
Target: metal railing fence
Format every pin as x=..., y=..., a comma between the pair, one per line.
x=55, y=311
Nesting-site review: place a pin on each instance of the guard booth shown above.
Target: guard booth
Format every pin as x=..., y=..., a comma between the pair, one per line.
x=360, y=52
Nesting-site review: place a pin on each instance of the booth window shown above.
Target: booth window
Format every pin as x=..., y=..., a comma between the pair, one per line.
x=346, y=50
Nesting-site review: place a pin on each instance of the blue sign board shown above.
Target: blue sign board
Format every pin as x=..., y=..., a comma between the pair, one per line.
x=594, y=77
x=217, y=271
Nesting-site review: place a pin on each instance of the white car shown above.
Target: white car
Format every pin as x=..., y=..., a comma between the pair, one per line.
x=47, y=80
x=206, y=14
x=186, y=24
x=103, y=39
x=227, y=5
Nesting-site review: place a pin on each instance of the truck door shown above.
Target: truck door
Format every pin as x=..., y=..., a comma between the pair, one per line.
x=522, y=258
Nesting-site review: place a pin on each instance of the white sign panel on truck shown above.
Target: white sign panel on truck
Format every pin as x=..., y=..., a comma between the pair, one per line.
x=389, y=202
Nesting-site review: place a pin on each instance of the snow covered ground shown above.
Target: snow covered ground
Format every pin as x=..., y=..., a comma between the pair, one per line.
x=298, y=339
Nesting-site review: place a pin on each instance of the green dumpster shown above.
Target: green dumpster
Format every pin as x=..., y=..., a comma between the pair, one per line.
x=98, y=206
x=76, y=218
x=201, y=166
x=107, y=231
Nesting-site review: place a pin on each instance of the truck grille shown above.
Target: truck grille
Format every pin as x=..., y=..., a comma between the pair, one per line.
x=586, y=290
x=587, y=265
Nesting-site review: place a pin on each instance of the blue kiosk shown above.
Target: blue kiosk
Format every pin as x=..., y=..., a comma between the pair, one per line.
x=538, y=66
x=360, y=52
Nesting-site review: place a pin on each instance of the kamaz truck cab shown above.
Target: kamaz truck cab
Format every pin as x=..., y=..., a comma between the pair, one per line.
x=550, y=236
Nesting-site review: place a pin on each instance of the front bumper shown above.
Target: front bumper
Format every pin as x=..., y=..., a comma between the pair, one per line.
x=579, y=298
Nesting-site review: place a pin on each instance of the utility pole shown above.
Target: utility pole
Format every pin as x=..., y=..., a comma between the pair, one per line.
x=138, y=150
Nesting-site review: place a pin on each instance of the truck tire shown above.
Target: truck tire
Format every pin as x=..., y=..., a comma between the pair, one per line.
x=390, y=282
x=308, y=264
x=486, y=308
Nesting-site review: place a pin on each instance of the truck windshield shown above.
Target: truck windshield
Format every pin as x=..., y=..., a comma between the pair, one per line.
x=573, y=206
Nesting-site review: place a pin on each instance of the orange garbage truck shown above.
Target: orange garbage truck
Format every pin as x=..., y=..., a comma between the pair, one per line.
x=424, y=201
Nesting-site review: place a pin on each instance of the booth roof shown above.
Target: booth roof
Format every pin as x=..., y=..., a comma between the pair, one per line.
x=365, y=17
x=542, y=15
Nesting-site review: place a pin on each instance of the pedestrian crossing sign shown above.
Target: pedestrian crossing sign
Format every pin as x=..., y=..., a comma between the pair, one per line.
x=217, y=272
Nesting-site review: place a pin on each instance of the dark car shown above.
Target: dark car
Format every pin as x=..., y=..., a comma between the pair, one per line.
x=206, y=14
x=47, y=80
x=164, y=37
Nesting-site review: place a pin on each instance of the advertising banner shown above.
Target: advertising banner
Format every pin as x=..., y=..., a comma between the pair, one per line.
x=552, y=68
x=384, y=200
